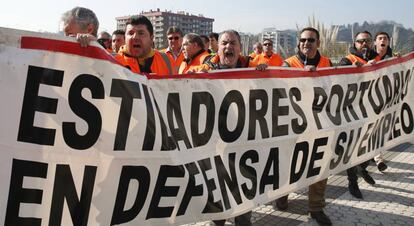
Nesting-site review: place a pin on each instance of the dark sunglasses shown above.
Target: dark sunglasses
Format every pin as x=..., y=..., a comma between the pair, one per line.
x=267, y=44
x=175, y=38
x=311, y=40
x=361, y=41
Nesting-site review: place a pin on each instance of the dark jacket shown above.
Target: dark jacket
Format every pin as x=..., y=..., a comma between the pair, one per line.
x=370, y=55
x=387, y=55
x=214, y=62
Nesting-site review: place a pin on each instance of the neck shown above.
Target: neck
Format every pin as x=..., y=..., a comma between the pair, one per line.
x=176, y=51
x=382, y=52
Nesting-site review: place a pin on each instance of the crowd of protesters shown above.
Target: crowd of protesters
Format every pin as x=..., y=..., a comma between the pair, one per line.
x=193, y=53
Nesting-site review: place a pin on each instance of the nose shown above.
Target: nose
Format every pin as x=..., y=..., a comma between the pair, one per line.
x=135, y=36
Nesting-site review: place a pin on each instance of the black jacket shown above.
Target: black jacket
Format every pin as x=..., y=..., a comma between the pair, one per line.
x=371, y=54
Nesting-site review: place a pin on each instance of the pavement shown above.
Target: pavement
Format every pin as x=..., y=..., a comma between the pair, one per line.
x=389, y=202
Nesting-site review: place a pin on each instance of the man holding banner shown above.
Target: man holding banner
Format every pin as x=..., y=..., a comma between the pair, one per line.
x=137, y=54
x=361, y=53
x=228, y=56
x=309, y=58
x=81, y=23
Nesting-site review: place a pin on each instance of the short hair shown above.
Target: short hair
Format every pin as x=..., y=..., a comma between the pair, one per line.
x=267, y=39
x=214, y=35
x=363, y=32
x=141, y=20
x=312, y=30
x=382, y=33
x=83, y=17
x=118, y=32
x=195, y=38
x=234, y=32
x=175, y=29
x=257, y=44
x=104, y=33
x=205, y=38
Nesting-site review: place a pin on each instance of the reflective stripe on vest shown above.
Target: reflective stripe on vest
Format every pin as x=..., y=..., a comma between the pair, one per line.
x=167, y=62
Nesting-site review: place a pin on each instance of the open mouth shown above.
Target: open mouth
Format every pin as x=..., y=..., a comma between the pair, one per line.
x=382, y=45
x=228, y=54
x=136, y=46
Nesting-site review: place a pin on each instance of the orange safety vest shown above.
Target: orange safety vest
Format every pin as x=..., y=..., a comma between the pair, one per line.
x=175, y=62
x=295, y=62
x=274, y=60
x=194, y=63
x=354, y=59
x=252, y=55
x=161, y=64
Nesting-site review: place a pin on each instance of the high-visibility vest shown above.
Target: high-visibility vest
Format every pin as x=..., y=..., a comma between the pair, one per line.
x=160, y=65
x=274, y=60
x=295, y=62
x=197, y=61
x=354, y=59
x=252, y=55
x=175, y=62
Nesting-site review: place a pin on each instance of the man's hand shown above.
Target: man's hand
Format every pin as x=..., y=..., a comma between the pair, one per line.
x=85, y=39
x=197, y=71
x=261, y=67
x=358, y=64
x=371, y=62
x=309, y=68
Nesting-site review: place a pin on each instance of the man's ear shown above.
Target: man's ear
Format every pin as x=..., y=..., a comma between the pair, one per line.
x=90, y=28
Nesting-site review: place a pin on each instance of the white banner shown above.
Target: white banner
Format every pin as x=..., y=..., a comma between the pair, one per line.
x=86, y=142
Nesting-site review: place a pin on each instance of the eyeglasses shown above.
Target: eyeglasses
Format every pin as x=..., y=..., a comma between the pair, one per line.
x=361, y=41
x=175, y=38
x=267, y=44
x=103, y=39
x=310, y=40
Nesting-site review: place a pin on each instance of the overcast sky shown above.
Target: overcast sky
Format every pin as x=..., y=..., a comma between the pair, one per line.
x=243, y=15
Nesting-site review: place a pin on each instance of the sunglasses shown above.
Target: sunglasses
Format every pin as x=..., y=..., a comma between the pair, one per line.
x=310, y=40
x=267, y=44
x=175, y=38
x=361, y=41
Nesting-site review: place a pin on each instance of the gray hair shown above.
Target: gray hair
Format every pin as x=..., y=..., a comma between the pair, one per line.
x=195, y=38
x=231, y=32
x=83, y=17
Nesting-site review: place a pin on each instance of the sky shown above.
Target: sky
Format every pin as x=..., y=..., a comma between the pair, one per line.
x=243, y=15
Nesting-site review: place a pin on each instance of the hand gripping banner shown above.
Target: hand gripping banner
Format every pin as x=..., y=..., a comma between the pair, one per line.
x=84, y=141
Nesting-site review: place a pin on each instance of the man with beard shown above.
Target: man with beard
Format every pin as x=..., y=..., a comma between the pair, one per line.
x=194, y=53
x=138, y=54
x=309, y=58
x=360, y=53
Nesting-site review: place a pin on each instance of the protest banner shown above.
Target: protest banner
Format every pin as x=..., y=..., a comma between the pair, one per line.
x=86, y=142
